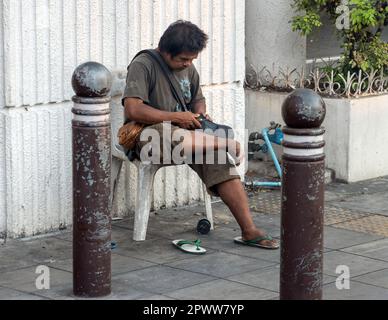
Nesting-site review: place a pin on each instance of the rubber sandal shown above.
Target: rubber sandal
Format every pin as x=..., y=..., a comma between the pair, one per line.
x=192, y=247
x=256, y=242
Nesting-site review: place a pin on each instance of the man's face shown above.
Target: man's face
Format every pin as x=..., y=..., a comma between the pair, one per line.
x=181, y=61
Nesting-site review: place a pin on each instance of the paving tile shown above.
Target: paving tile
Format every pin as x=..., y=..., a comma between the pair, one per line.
x=336, y=215
x=11, y=261
x=377, y=278
x=223, y=217
x=221, y=290
x=19, y=254
x=25, y=279
x=125, y=223
x=122, y=264
x=358, y=265
x=221, y=239
x=10, y=294
x=220, y=264
x=371, y=224
x=66, y=235
x=123, y=236
x=268, y=223
x=166, y=222
x=156, y=251
x=267, y=278
x=257, y=253
x=64, y=265
x=266, y=202
x=156, y=270
x=169, y=225
x=357, y=291
x=218, y=238
x=167, y=230
x=156, y=297
x=359, y=188
x=335, y=238
x=119, y=264
x=160, y=279
x=376, y=249
x=263, y=220
x=118, y=234
x=124, y=290
x=46, y=249
x=332, y=196
x=64, y=292
x=120, y=291
x=170, y=221
x=252, y=252
x=376, y=203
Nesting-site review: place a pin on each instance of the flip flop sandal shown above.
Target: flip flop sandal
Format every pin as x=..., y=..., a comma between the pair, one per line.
x=256, y=242
x=193, y=247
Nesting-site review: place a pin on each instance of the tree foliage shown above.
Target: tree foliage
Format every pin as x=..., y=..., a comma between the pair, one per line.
x=363, y=48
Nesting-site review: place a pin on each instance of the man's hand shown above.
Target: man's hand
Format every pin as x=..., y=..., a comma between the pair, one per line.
x=187, y=120
x=208, y=117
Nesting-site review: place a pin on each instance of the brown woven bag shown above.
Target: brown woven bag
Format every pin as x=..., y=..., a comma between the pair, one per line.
x=128, y=134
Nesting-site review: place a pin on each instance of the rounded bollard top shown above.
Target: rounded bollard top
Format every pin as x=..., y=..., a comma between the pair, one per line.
x=304, y=109
x=91, y=80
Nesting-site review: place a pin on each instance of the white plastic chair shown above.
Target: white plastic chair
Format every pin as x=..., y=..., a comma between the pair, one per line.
x=145, y=181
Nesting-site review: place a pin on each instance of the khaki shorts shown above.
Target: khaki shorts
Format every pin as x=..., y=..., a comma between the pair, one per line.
x=210, y=174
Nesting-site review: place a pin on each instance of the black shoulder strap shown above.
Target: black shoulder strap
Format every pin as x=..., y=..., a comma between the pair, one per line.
x=168, y=75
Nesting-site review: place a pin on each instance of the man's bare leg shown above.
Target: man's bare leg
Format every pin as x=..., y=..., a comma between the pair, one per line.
x=233, y=194
x=198, y=141
x=232, y=191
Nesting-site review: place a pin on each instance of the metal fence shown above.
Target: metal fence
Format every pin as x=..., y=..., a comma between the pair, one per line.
x=313, y=76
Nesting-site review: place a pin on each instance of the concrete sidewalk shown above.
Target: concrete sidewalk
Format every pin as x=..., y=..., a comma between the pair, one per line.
x=356, y=235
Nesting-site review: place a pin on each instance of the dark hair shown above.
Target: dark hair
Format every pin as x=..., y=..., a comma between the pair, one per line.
x=183, y=36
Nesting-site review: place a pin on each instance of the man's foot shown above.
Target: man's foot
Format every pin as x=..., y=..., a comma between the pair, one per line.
x=260, y=238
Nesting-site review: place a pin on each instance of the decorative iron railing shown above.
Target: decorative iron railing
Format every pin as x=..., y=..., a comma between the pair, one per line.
x=326, y=83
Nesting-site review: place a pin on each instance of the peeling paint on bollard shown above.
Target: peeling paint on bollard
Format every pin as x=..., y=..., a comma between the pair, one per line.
x=302, y=197
x=91, y=181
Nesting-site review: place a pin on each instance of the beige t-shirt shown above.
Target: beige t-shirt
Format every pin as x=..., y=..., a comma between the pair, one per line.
x=146, y=81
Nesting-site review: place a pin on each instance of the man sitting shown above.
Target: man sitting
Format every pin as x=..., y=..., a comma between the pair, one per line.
x=148, y=99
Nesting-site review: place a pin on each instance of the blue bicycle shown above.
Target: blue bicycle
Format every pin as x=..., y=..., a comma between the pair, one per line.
x=268, y=138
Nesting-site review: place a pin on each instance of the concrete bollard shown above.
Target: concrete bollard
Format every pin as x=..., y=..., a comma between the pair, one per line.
x=302, y=197
x=91, y=181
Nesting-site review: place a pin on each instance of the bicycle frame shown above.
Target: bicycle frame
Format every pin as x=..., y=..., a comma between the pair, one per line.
x=276, y=138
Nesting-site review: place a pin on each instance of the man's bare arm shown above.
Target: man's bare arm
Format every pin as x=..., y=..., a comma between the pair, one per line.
x=200, y=107
x=137, y=110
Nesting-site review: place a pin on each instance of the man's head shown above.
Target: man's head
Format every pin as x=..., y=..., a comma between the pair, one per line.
x=181, y=43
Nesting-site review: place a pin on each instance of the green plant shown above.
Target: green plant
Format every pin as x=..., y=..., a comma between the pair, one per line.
x=362, y=46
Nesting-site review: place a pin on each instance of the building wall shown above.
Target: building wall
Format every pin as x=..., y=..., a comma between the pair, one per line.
x=323, y=42
x=43, y=43
x=270, y=41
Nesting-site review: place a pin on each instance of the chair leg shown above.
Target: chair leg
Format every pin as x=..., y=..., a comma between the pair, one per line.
x=208, y=206
x=115, y=176
x=145, y=182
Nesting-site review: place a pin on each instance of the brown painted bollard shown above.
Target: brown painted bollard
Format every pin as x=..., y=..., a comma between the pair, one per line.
x=302, y=197
x=91, y=181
